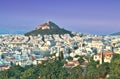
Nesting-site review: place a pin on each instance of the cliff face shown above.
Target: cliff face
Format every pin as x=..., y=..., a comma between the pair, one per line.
x=47, y=25
x=48, y=28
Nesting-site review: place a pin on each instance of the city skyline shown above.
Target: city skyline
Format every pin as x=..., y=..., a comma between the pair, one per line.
x=88, y=16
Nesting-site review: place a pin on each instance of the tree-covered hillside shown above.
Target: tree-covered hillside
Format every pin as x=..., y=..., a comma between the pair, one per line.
x=53, y=69
x=49, y=32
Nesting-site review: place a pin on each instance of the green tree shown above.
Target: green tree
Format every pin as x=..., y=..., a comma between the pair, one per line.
x=115, y=67
x=92, y=71
x=3, y=75
x=81, y=60
x=103, y=70
x=15, y=71
x=28, y=74
x=69, y=58
x=75, y=73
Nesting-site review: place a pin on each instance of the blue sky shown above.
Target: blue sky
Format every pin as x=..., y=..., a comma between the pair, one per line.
x=87, y=16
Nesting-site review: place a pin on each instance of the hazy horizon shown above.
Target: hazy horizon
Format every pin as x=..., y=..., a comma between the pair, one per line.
x=86, y=16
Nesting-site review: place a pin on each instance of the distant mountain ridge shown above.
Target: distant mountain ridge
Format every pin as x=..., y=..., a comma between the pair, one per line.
x=117, y=33
x=48, y=28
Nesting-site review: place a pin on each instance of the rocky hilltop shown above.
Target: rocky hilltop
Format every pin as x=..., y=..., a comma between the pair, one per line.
x=48, y=25
x=48, y=28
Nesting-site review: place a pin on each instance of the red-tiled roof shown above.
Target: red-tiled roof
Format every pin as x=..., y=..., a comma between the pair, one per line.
x=74, y=61
x=106, y=53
